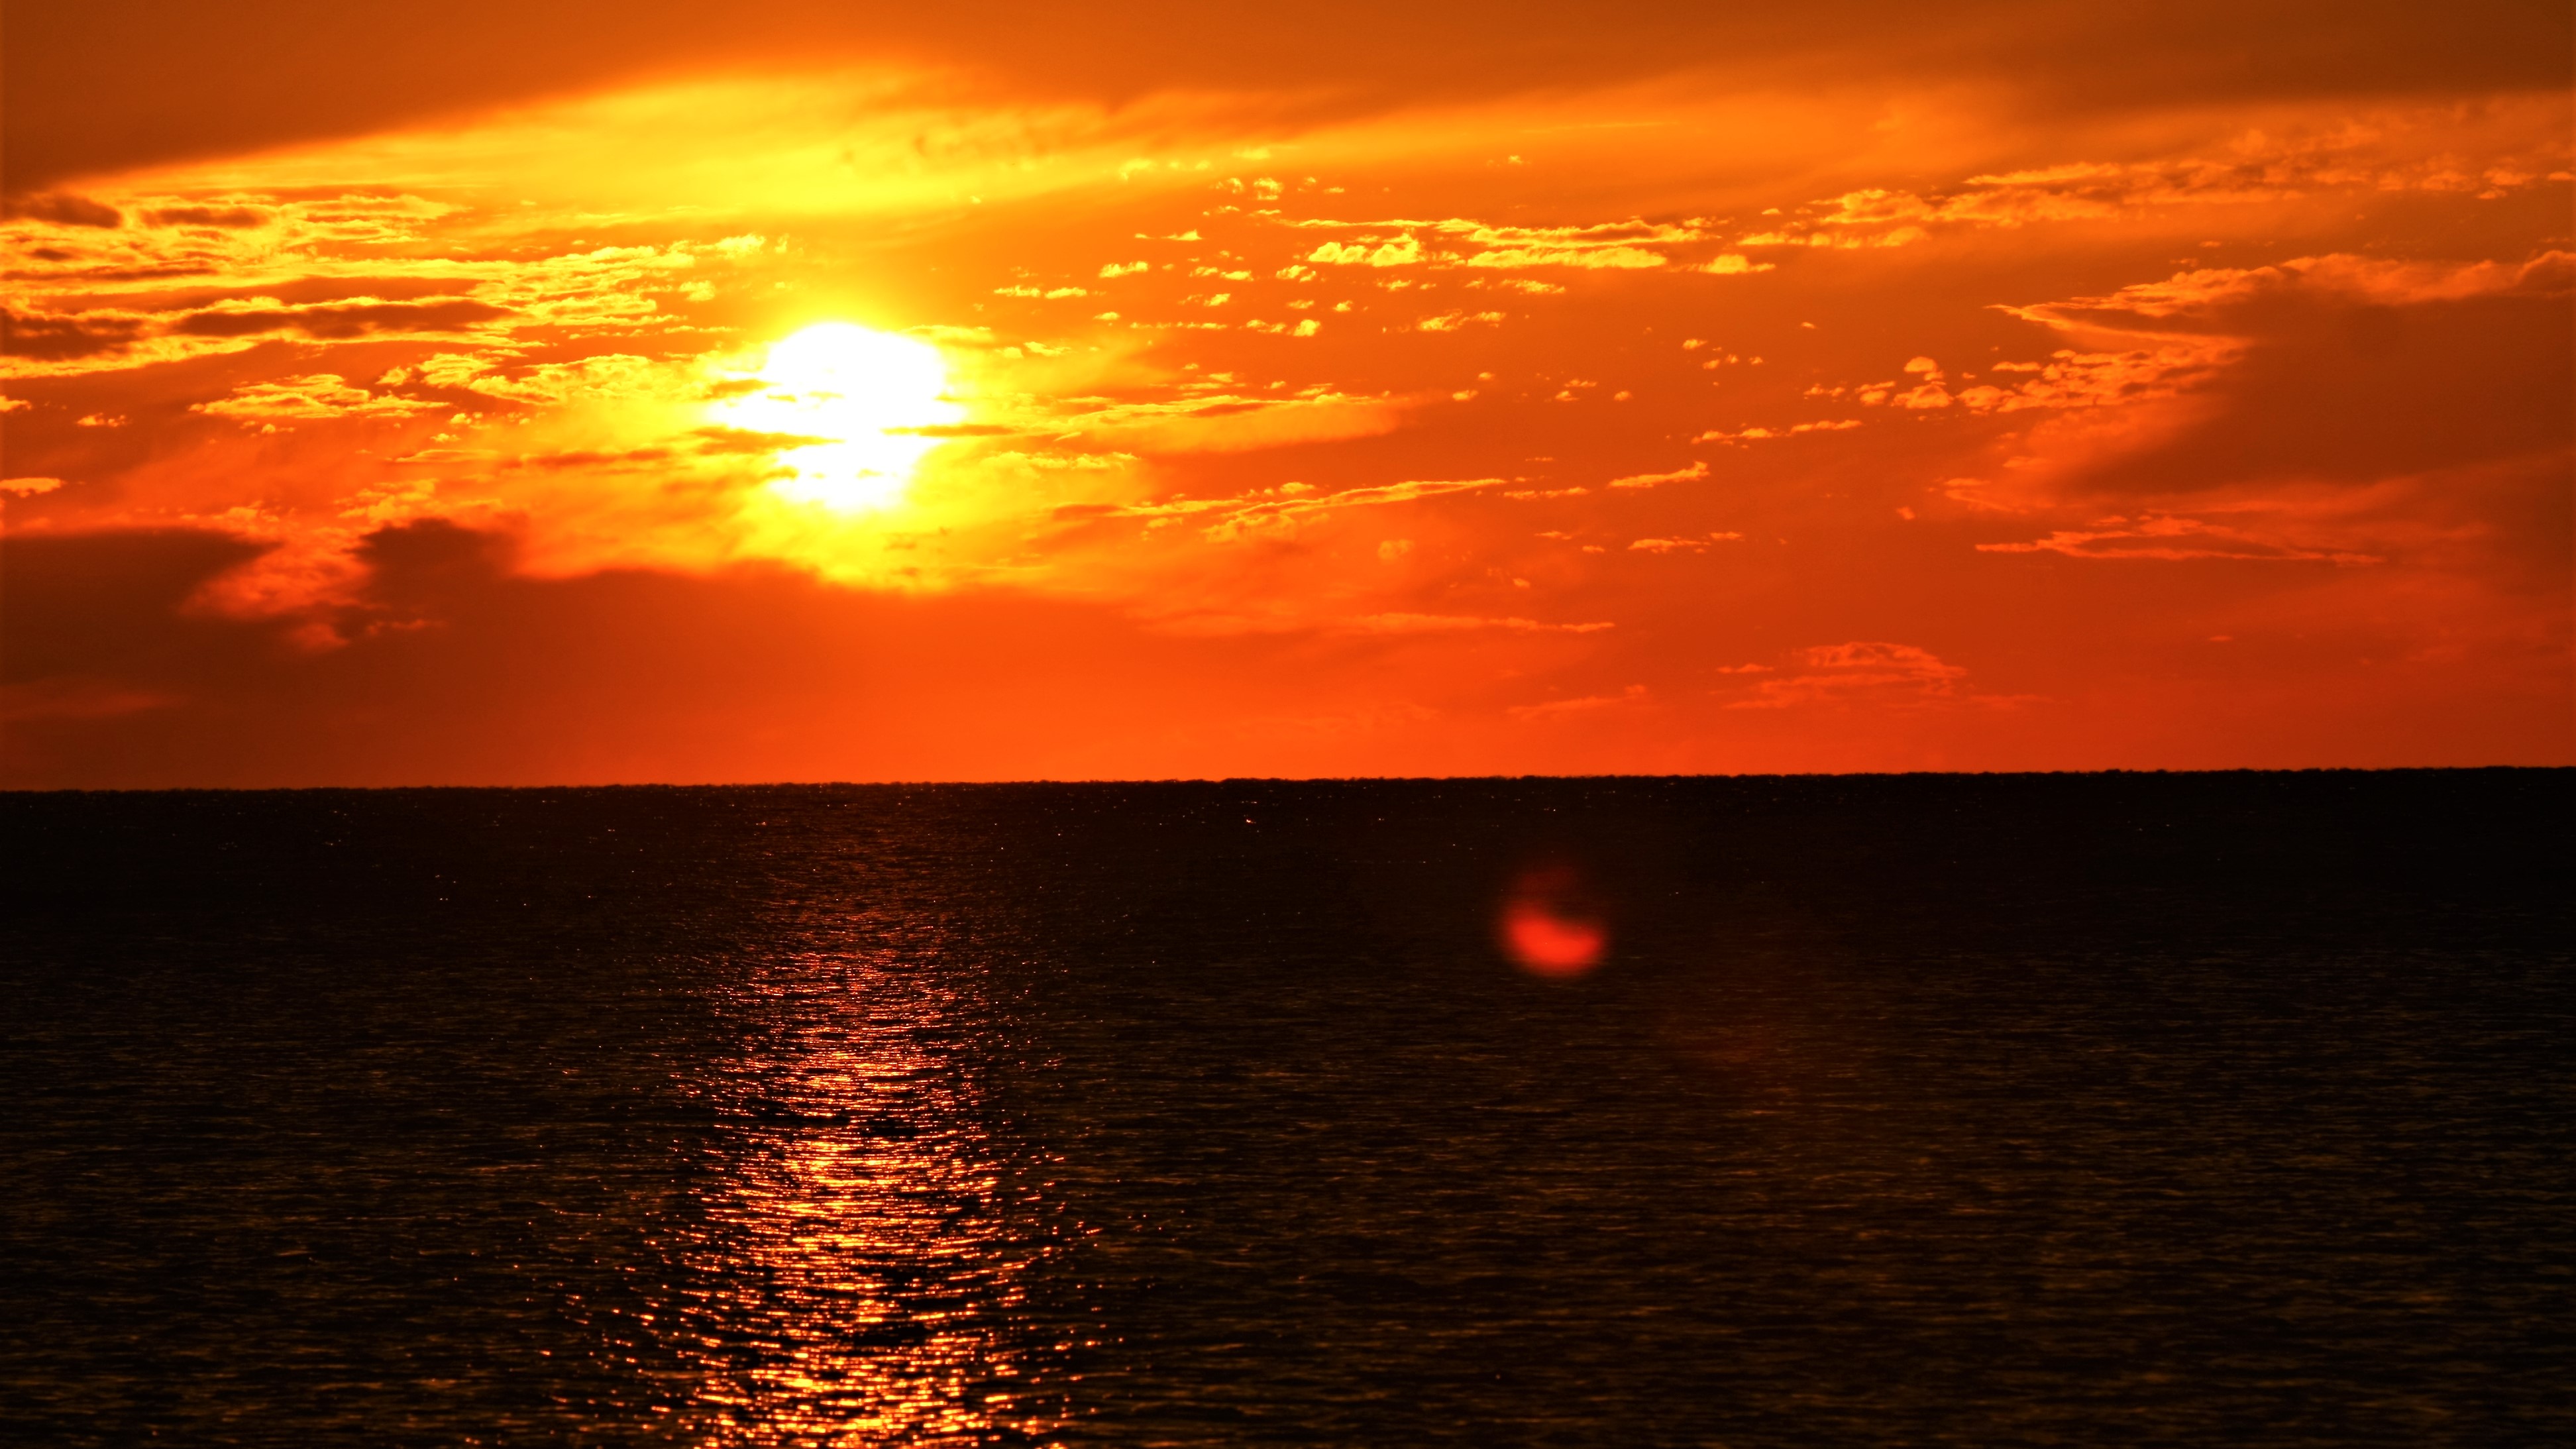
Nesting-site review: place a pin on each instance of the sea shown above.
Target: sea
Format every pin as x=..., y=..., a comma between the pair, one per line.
x=2080, y=1109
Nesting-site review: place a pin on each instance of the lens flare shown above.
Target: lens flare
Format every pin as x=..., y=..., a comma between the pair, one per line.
x=864, y=404
x=1548, y=926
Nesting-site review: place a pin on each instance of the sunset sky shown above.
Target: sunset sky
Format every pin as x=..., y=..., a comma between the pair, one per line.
x=646, y=392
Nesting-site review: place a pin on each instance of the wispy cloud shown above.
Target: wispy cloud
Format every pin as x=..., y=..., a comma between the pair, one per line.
x=1874, y=672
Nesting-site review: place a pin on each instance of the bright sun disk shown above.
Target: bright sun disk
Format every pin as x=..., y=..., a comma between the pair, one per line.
x=866, y=397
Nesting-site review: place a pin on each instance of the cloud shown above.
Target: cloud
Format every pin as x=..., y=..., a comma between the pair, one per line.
x=1276, y=617
x=1273, y=513
x=606, y=375
x=1603, y=258
x=1454, y=321
x=1695, y=471
x=1404, y=251
x=1635, y=231
x=95, y=616
x=230, y=217
x=333, y=321
x=950, y=430
x=46, y=338
x=1393, y=223
x=1249, y=518
x=76, y=699
x=2072, y=379
x=1559, y=708
x=1227, y=422
x=64, y=209
x=442, y=369
x=2189, y=301
x=2170, y=539
x=356, y=269
x=1756, y=435
x=2393, y=152
x=2328, y=368
x=1403, y=623
x=106, y=87
x=1133, y=474
x=1872, y=672
x=41, y=343
x=324, y=395
x=1618, y=245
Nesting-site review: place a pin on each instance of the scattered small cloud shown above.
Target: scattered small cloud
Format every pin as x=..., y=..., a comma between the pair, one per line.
x=1697, y=544
x=1634, y=694
x=1691, y=473
x=1873, y=672
x=319, y=397
x=2172, y=540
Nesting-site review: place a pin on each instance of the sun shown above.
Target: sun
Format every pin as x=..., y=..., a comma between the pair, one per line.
x=872, y=403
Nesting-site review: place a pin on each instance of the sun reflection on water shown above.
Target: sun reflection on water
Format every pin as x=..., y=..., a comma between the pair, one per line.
x=856, y=1279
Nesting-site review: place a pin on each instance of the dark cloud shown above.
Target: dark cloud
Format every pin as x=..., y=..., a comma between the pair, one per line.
x=289, y=292
x=170, y=272
x=67, y=210
x=37, y=335
x=427, y=563
x=108, y=604
x=2337, y=390
x=590, y=458
x=339, y=321
x=455, y=669
x=223, y=216
x=109, y=84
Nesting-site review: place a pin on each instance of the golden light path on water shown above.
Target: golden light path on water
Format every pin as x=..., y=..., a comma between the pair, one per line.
x=871, y=405
x=857, y=1281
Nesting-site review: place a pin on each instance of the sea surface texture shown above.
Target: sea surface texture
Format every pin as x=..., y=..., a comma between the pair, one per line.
x=2118, y=1109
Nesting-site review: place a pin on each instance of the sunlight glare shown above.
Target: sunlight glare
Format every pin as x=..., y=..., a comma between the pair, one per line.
x=1549, y=926
x=869, y=400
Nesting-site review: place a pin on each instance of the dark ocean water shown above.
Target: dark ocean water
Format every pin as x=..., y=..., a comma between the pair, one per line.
x=2215, y=1109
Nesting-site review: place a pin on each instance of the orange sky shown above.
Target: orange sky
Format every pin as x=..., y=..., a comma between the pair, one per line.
x=1498, y=390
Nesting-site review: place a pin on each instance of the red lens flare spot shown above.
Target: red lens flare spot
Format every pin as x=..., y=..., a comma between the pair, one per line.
x=1547, y=928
